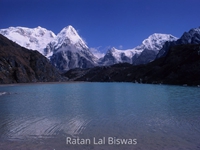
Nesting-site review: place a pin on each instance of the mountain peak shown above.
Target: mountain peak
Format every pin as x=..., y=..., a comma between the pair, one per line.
x=161, y=36
x=39, y=27
x=138, y=55
x=69, y=30
x=195, y=30
x=112, y=49
x=69, y=35
x=70, y=27
x=31, y=38
x=69, y=47
x=190, y=37
x=156, y=41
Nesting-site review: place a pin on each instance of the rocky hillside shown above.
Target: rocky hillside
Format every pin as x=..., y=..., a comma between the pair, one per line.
x=20, y=65
x=180, y=66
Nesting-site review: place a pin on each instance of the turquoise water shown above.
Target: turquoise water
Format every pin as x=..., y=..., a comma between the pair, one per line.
x=42, y=116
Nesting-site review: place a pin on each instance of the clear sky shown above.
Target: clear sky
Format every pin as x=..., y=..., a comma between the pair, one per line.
x=104, y=23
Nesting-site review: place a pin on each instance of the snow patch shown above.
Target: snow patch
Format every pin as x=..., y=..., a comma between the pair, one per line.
x=35, y=39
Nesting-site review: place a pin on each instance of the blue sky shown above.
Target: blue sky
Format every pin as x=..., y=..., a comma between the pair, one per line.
x=104, y=23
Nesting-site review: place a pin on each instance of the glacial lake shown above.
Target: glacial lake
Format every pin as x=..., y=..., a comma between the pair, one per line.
x=154, y=117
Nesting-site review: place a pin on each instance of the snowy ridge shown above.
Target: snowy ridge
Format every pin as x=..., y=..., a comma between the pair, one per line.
x=128, y=53
x=114, y=56
x=153, y=43
x=156, y=41
x=68, y=50
x=35, y=39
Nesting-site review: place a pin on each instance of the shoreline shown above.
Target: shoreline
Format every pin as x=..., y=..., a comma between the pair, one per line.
x=36, y=83
x=70, y=82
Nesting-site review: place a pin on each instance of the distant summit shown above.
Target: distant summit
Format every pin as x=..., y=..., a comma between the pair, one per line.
x=35, y=39
x=142, y=54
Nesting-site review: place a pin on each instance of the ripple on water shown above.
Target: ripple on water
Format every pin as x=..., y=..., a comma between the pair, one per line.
x=41, y=116
x=3, y=93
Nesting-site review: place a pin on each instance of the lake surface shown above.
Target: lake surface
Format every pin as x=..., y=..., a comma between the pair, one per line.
x=42, y=116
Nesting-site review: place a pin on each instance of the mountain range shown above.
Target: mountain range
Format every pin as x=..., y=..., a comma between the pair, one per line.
x=67, y=49
x=160, y=58
x=181, y=66
x=142, y=54
x=177, y=62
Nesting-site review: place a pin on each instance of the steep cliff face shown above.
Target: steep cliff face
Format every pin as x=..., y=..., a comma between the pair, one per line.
x=19, y=65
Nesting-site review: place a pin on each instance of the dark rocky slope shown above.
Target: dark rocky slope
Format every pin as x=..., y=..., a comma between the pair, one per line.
x=20, y=65
x=190, y=37
x=180, y=66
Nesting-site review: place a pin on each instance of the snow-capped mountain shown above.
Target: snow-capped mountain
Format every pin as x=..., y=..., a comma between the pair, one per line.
x=114, y=56
x=67, y=36
x=65, y=50
x=151, y=47
x=156, y=41
x=142, y=54
x=35, y=39
x=190, y=37
x=68, y=51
